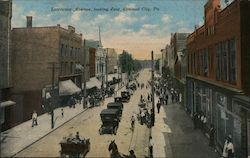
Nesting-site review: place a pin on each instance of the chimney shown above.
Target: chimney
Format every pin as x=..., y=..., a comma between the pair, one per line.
x=29, y=21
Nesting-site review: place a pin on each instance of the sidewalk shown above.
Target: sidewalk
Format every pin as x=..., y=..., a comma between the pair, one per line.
x=22, y=136
x=175, y=137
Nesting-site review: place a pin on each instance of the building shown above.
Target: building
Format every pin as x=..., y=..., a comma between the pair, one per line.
x=218, y=81
x=92, y=46
x=35, y=51
x=177, y=64
x=6, y=105
x=112, y=59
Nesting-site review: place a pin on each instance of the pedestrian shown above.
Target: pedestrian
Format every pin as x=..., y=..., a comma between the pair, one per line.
x=166, y=99
x=172, y=97
x=62, y=112
x=204, y=124
x=148, y=97
x=142, y=117
x=34, y=119
x=211, y=136
x=195, y=120
x=77, y=136
x=151, y=147
x=132, y=154
x=201, y=122
x=158, y=106
x=230, y=147
x=225, y=153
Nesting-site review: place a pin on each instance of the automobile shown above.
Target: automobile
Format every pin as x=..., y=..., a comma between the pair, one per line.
x=116, y=105
x=110, y=121
x=120, y=100
x=125, y=95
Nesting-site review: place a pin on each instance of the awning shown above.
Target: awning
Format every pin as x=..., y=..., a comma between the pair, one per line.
x=68, y=88
x=7, y=103
x=93, y=82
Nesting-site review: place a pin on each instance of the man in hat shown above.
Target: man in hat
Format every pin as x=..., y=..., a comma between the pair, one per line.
x=132, y=154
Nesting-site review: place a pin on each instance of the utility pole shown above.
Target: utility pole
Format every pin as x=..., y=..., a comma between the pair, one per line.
x=107, y=68
x=52, y=102
x=152, y=87
x=84, y=72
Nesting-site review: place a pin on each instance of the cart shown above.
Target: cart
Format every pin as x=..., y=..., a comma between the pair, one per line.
x=74, y=148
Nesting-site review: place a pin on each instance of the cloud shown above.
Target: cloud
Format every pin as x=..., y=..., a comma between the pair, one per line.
x=124, y=18
x=166, y=18
x=149, y=26
x=76, y=16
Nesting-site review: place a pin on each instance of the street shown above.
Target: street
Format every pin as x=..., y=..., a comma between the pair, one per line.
x=88, y=124
x=173, y=132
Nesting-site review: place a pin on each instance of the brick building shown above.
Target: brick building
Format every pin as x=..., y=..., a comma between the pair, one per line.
x=34, y=48
x=6, y=105
x=178, y=64
x=218, y=79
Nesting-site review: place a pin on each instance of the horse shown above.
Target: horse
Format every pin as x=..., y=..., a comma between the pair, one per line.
x=113, y=150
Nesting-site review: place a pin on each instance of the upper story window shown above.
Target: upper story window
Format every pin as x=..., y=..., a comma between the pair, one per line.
x=233, y=61
x=226, y=59
x=62, y=49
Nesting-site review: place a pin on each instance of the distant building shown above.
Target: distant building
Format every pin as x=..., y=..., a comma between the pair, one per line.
x=34, y=49
x=218, y=81
x=112, y=59
x=6, y=105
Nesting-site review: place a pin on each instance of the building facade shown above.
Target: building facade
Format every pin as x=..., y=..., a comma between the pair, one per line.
x=112, y=59
x=35, y=51
x=218, y=81
x=178, y=64
x=6, y=105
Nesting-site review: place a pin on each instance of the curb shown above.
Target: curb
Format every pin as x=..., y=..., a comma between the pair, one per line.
x=49, y=132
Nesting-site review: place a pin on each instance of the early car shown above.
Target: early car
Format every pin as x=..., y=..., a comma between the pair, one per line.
x=121, y=100
x=116, y=105
x=110, y=121
x=125, y=95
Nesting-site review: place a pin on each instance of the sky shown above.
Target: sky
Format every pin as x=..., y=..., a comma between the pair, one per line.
x=138, y=26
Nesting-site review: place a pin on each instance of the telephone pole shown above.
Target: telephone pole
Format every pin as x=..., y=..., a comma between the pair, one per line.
x=52, y=102
x=107, y=69
x=84, y=76
x=152, y=87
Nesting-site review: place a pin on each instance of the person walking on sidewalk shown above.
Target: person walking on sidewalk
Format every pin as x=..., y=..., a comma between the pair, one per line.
x=158, y=106
x=151, y=147
x=225, y=152
x=132, y=122
x=34, y=119
x=230, y=147
x=62, y=112
x=211, y=136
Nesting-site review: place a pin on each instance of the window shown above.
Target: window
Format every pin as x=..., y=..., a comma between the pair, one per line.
x=62, y=50
x=66, y=50
x=71, y=67
x=205, y=62
x=232, y=53
x=71, y=51
x=224, y=50
x=218, y=61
